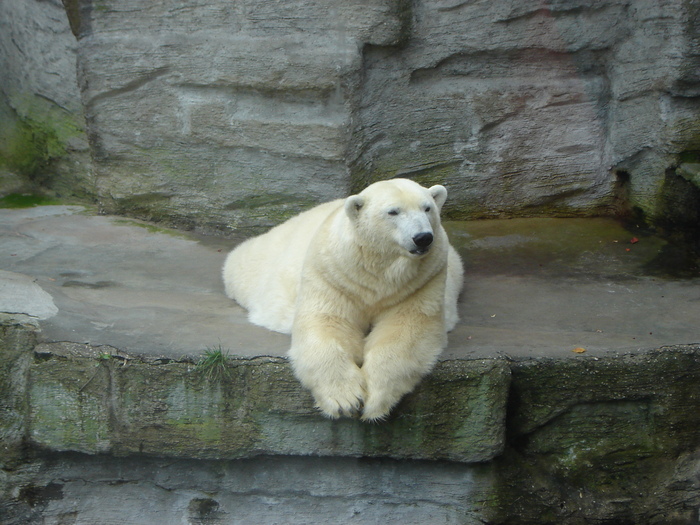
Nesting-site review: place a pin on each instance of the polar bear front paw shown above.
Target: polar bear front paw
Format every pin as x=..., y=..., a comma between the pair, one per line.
x=335, y=407
x=340, y=399
x=377, y=407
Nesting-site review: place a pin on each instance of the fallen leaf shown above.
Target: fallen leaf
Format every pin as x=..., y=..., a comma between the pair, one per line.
x=634, y=240
x=579, y=350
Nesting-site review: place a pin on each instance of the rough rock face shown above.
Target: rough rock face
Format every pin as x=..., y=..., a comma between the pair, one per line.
x=534, y=108
x=42, y=127
x=236, y=115
x=224, y=113
x=92, y=434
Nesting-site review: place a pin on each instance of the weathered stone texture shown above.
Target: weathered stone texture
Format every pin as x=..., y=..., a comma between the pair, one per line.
x=589, y=440
x=236, y=115
x=42, y=127
x=17, y=338
x=85, y=399
x=614, y=439
x=290, y=490
x=532, y=109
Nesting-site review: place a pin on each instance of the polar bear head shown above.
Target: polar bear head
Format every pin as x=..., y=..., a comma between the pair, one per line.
x=397, y=210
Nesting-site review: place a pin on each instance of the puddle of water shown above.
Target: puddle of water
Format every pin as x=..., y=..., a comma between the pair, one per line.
x=569, y=247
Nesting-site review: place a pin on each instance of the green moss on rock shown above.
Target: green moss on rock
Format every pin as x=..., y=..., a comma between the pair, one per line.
x=36, y=134
x=17, y=338
x=597, y=437
x=83, y=402
x=26, y=200
x=69, y=405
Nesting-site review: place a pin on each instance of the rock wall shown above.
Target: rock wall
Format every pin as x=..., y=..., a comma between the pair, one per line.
x=224, y=116
x=549, y=108
x=43, y=143
x=234, y=114
x=88, y=399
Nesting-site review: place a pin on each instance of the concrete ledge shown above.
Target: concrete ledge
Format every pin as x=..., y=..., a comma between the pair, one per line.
x=538, y=440
x=98, y=400
x=613, y=439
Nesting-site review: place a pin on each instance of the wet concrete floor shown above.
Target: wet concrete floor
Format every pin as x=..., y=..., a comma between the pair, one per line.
x=575, y=288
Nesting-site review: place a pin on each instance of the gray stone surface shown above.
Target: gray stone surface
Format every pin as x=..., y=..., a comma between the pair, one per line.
x=230, y=117
x=19, y=294
x=559, y=436
x=269, y=490
x=98, y=400
x=534, y=109
x=533, y=288
x=42, y=125
x=232, y=120
x=108, y=278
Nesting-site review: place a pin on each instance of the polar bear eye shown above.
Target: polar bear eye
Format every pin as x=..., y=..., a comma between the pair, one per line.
x=427, y=209
x=393, y=212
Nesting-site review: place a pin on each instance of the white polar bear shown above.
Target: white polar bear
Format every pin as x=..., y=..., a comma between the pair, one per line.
x=368, y=288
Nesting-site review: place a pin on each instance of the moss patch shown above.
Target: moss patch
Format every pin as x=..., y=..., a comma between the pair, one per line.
x=151, y=228
x=27, y=150
x=36, y=135
x=26, y=200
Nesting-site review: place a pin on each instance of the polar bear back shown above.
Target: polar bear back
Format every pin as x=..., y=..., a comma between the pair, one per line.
x=263, y=273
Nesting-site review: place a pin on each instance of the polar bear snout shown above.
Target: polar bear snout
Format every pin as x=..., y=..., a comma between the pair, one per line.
x=422, y=241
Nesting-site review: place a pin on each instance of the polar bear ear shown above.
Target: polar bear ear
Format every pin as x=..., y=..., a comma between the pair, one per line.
x=353, y=205
x=439, y=194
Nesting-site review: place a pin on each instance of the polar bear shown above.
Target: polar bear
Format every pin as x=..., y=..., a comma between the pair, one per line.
x=366, y=285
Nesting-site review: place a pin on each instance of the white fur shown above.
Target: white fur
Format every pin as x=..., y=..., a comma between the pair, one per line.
x=368, y=312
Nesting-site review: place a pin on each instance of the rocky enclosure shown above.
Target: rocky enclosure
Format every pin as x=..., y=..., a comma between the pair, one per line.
x=223, y=116
x=231, y=116
x=92, y=434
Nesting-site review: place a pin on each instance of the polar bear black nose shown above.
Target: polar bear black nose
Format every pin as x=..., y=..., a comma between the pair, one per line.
x=423, y=240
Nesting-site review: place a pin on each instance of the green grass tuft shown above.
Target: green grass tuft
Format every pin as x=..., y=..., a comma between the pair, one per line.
x=213, y=364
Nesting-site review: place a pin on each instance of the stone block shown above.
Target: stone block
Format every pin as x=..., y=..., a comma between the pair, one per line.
x=17, y=338
x=264, y=85
x=609, y=439
x=69, y=404
x=105, y=403
x=172, y=410
x=661, y=384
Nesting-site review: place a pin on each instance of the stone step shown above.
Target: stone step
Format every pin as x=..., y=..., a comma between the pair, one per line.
x=552, y=375
x=98, y=400
x=533, y=287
